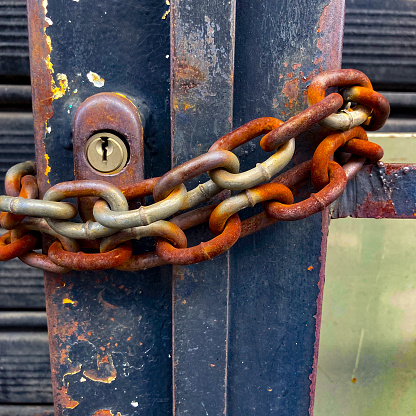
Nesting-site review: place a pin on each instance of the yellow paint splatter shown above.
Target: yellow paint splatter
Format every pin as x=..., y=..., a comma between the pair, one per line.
x=310, y=268
x=48, y=168
x=66, y=300
x=59, y=92
x=167, y=11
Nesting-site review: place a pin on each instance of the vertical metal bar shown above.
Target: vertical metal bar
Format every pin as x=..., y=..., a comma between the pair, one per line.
x=277, y=276
x=202, y=53
x=109, y=332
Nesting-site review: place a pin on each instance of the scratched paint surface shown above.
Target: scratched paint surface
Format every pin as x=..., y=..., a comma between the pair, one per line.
x=110, y=342
x=276, y=276
x=367, y=359
x=202, y=90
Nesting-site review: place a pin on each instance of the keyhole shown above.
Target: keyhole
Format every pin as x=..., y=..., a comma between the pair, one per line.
x=106, y=152
x=104, y=147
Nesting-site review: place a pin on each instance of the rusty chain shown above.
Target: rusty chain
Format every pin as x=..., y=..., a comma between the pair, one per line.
x=348, y=113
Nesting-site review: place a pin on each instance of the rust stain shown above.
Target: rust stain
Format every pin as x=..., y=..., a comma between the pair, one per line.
x=376, y=209
x=296, y=66
x=291, y=91
x=64, y=400
x=354, y=380
x=391, y=168
x=65, y=329
x=105, y=372
x=308, y=77
x=42, y=79
x=289, y=75
x=188, y=76
x=104, y=412
x=104, y=302
x=329, y=43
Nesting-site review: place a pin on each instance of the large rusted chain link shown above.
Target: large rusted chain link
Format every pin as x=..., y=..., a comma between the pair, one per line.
x=116, y=225
x=40, y=260
x=29, y=190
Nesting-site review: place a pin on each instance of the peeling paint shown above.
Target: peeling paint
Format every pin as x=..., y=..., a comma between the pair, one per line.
x=72, y=372
x=95, y=79
x=103, y=412
x=105, y=373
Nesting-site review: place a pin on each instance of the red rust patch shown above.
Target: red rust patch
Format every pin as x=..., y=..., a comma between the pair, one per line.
x=391, y=168
x=376, y=209
x=64, y=400
x=291, y=91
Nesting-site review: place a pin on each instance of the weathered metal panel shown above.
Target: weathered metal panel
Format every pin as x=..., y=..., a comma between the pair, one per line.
x=382, y=191
x=110, y=332
x=202, y=89
x=277, y=276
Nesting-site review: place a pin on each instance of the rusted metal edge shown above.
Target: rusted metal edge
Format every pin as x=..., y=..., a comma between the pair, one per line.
x=42, y=82
x=379, y=191
x=331, y=29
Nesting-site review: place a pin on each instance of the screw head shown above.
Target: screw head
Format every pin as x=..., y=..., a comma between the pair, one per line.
x=106, y=153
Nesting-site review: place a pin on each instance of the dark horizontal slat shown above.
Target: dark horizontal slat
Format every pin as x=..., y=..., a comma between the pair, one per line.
x=377, y=9
x=399, y=125
x=16, y=133
x=17, y=320
x=21, y=286
x=14, y=51
x=24, y=368
x=26, y=410
x=380, y=40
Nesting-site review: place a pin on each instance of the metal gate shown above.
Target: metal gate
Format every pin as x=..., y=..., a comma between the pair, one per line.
x=238, y=334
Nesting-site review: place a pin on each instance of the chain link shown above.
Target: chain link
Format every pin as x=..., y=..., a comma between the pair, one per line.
x=355, y=108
